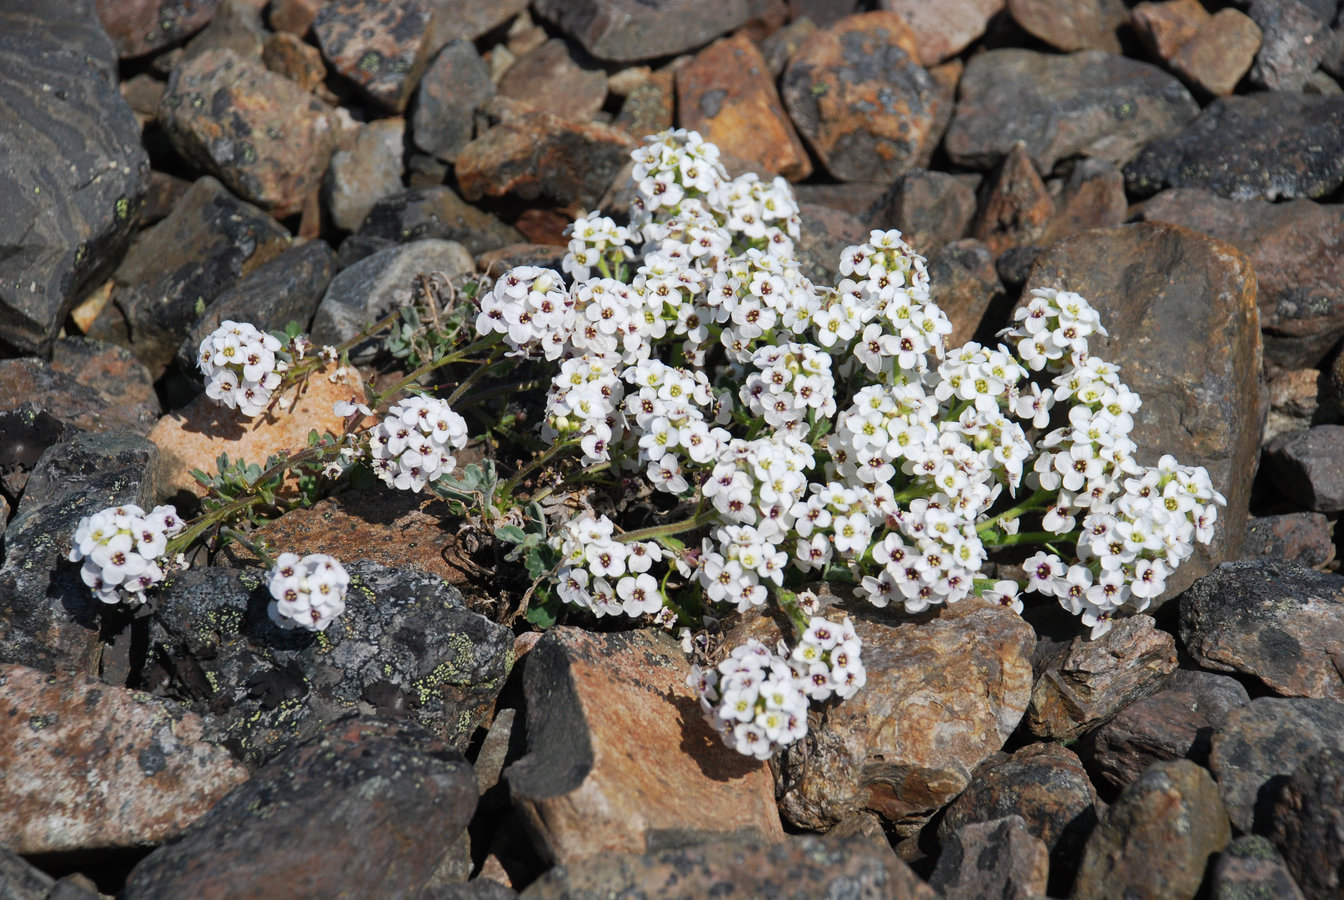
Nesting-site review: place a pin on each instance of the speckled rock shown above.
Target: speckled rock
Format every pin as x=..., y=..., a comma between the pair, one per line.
x=1304, y=538
x=1259, y=745
x=1250, y=867
x=930, y=208
x=88, y=385
x=48, y=618
x=999, y=858
x=1308, y=466
x=1306, y=822
x=175, y=269
x=366, y=173
x=261, y=134
x=368, y=808
x=1275, y=145
x=964, y=283
x=74, y=172
x=799, y=867
x=1277, y=621
x=1016, y=204
x=943, y=30
x=436, y=211
x=406, y=645
x=1085, y=682
x=236, y=25
x=91, y=766
x=287, y=55
x=1154, y=286
x=551, y=78
x=139, y=27
x=455, y=85
x=1066, y=25
x=943, y=693
x=726, y=93
x=649, y=108
x=1082, y=104
x=1092, y=196
x=382, y=46
x=625, y=31
x=1220, y=53
x=1156, y=840
x=468, y=20
x=860, y=98
x=1296, y=38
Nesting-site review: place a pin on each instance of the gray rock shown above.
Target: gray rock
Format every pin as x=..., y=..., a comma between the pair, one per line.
x=436, y=212
x=1304, y=538
x=964, y=283
x=1307, y=823
x=88, y=385
x=381, y=46
x=1250, y=868
x=366, y=173
x=236, y=25
x=1308, y=466
x=999, y=858
x=456, y=84
x=368, y=808
x=1295, y=38
x=825, y=233
x=626, y=31
x=74, y=173
x=930, y=208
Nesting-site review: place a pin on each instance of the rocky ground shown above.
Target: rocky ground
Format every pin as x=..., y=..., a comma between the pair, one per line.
x=166, y=164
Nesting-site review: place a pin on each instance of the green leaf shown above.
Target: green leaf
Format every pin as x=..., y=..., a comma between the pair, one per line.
x=511, y=533
x=544, y=614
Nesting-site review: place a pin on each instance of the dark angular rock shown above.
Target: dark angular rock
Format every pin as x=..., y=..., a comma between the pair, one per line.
x=88, y=385
x=824, y=235
x=236, y=25
x=999, y=858
x=436, y=212
x=382, y=46
x=368, y=171
x=456, y=84
x=552, y=77
x=283, y=290
x=26, y=431
x=1304, y=538
x=48, y=618
x=1084, y=104
x=261, y=134
x=1015, y=206
x=467, y=20
x=23, y=880
x=963, y=282
x=1250, y=867
x=1278, y=621
x=74, y=174
x=1258, y=747
x=799, y=867
x=1308, y=466
x=174, y=270
x=1307, y=824
x=497, y=262
x=930, y=208
x=1092, y=196
x=139, y=27
x=1295, y=39
x=1157, y=839
x=1155, y=286
x=368, y=808
x=860, y=98
x=1275, y=145
x=626, y=31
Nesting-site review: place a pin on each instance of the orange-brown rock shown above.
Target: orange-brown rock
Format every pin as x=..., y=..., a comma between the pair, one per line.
x=946, y=28
x=1017, y=206
x=727, y=94
x=1067, y=25
x=1220, y=53
x=550, y=79
x=1165, y=27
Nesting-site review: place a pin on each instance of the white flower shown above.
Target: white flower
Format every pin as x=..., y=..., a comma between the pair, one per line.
x=240, y=365
x=308, y=592
x=124, y=550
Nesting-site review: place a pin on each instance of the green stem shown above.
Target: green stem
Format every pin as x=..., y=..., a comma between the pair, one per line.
x=1031, y=537
x=477, y=374
x=428, y=367
x=788, y=601
x=1035, y=501
x=653, y=532
x=551, y=453
x=252, y=546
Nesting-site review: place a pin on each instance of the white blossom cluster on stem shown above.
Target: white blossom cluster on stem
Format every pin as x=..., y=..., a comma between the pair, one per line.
x=124, y=550
x=308, y=592
x=414, y=442
x=241, y=367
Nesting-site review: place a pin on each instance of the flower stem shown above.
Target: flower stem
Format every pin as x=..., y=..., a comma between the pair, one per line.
x=703, y=517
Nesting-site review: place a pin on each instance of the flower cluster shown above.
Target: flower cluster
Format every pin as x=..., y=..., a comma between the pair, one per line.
x=413, y=443
x=241, y=367
x=604, y=575
x=309, y=591
x=124, y=550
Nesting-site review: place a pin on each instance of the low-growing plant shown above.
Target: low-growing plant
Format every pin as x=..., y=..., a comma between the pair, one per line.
x=719, y=434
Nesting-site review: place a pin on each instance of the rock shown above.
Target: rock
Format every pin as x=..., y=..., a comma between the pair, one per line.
x=467, y=20
x=542, y=157
x=964, y=284
x=825, y=235
x=236, y=25
x=930, y=208
x=372, y=288
x=405, y=646
x=90, y=766
x=88, y=385
x=1306, y=822
x=1083, y=104
x=1155, y=286
x=1296, y=38
x=1278, y=621
x=1299, y=399
x=854, y=198
x=1304, y=538
x=1167, y=26
x=368, y=808
x=366, y=173
x=49, y=620
x=194, y=436
x=1220, y=53
x=1274, y=145
x=1251, y=867
x=382, y=46
x=293, y=16
x=26, y=431
x=1085, y=682
x=1174, y=723
x=942, y=30
x=551, y=79
x=1258, y=747
x=1092, y=196
x=627, y=31
x=1292, y=247
x=74, y=172
x=943, y=693
x=497, y=262
x=139, y=27
x=1044, y=784
x=649, y=108
x=261, y=134
x=455, y=86
x=175, y=269
x=1157, y=839
x=436, y=212
x=1308, y=466
x=1066, y=25
x=999, y=858
x=599, y=708
x=1016, y=205
x=726, y=93
x=798, y=867
x=283, y=290
x=288, y=56
x=857, y=94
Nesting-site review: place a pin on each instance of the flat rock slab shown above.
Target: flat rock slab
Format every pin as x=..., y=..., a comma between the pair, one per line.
x=627, y=31
x=619, y=752
x=1277, y=621
x=369, y=808
x=1082, y=104
x=1271, y=145
x=91, y=766
x=1181, y=311
x=1308, y=466
x=88, y=385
